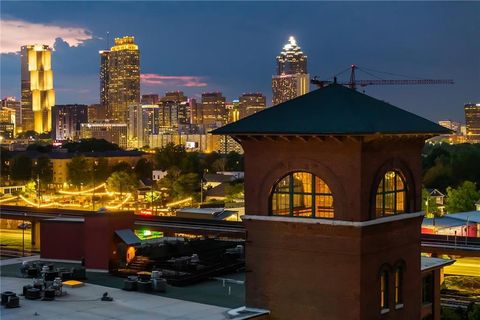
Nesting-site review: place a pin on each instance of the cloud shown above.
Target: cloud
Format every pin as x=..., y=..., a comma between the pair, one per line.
x=165, y=81
x=17, y=33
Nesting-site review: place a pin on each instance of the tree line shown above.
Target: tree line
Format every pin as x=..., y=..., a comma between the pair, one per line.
x=455, y=171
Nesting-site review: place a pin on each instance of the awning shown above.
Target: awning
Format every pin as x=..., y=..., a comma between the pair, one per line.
x=128, y=236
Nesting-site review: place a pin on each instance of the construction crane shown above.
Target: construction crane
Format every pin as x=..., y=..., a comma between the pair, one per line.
x=353, y=83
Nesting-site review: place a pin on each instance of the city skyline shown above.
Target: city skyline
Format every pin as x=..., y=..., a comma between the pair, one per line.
x=183, y=54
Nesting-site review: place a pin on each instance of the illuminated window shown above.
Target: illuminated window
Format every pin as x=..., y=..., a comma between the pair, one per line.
x=302, y=194
x=391, y=195
x=384, y=290
x=398, y=285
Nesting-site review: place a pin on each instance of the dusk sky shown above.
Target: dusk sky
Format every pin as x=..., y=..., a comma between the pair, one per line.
x=231, y=46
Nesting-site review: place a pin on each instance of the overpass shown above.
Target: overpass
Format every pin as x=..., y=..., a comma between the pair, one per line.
x=450, y=245
x=171, y=226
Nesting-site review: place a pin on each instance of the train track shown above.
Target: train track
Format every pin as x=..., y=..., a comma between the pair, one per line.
x=457, y=301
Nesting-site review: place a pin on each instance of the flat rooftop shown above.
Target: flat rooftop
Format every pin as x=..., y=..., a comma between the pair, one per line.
x=226, y=294
x=85, y=303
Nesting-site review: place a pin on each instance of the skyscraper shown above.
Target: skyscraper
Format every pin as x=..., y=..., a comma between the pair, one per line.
x=104, y=77
x=472, y=120
x=250, y=103
x=38, y=95
x=66, y=121
x=292, y=79
x=123, y=78
x=213, y=109
x=176, y=108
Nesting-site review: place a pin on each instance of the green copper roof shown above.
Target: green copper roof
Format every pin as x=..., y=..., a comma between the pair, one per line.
x=333, y=110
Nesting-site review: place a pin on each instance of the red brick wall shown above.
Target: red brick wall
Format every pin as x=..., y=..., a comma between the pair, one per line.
x=61, y=240
x=100, y=239
x=313, y=271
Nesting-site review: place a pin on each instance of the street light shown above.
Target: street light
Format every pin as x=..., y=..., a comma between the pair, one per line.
x=23, y=234
x=95, y=163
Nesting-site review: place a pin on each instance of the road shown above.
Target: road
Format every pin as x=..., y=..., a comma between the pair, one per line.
x=11, y=239
x=464, y=267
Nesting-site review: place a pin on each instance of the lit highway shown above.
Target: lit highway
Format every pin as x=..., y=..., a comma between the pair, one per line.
x=464, y=267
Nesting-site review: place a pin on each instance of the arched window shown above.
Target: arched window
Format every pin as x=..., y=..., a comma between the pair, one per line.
x=398, y=285
x=391, y=195
x=384, y=290
x=302, y=194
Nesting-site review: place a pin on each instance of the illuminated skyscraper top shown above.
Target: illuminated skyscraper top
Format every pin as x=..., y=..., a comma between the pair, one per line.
x=292, y=79
x=123, y=78
x=291, y=60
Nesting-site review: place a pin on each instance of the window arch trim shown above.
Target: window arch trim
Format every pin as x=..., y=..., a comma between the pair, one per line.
x=317, y=192
x=395, y=164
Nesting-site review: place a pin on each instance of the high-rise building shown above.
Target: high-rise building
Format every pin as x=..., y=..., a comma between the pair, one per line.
x=144, y=120
x=151, y=98
x=104, y=77
x=66, y=121
x=123, y=78
x=111, y=132
x=9, y=108
x=96, y=112
x=38, y=95
x=250, y=103
x=292, y=79
x=196, y=115
x=472, y=120
x=175, y=109
x=452, y=125
x=214, y=112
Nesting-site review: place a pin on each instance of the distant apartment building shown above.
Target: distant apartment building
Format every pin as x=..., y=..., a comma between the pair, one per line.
x=112, y=132
x=233, y=112
x=250, y=103
x=472, y=120
x=9, y=108
x=144, y=120
x=150, y=99
x=452, y=125
x=96, y=112
x=66, y=121
x=38, y=95
x=196, y=114
x=292, y=79
x=7, y=130
x=213, y=109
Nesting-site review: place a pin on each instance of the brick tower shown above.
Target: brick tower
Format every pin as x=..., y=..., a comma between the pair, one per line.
x=332, y=196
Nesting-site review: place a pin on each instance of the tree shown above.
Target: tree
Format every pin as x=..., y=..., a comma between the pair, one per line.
x=29, y=134
x=5, y=156
x=43, y=169
x=219, y=165
x=91, y=145
x=169, y=155
x=234, y=191
x=234, y=161
x=186, y=185
x=101, y=170
x=429, y=205
x=122, y=181
x=143, y=169
x=462, y=198
x=122, y=166
x=79, y=171
x=21, y=168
